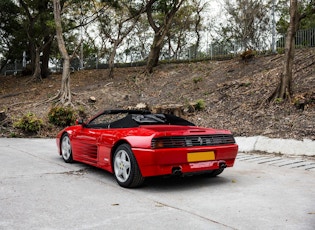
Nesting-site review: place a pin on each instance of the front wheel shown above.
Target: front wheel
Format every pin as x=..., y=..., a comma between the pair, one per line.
x=126, y=169
x=66, y=149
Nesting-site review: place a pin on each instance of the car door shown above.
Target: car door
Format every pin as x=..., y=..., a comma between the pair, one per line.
x=106, y=143
x=85, y=145
x=88, y=138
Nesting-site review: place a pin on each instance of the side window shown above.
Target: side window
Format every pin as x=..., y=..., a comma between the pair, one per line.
x=104, y=120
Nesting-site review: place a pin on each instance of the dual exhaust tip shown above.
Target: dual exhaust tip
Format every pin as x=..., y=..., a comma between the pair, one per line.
x=177, y=171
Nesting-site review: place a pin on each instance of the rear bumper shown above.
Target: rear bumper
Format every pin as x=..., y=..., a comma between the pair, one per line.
x=155, y=162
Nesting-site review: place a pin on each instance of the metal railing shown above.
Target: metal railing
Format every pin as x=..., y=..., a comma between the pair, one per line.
x=304, y=38
x=12, y=68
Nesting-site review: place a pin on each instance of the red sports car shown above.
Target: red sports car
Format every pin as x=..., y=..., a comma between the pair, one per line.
x=135, y=144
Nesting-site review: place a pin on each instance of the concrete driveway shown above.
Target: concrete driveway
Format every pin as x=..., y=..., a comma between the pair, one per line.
x=39, y=191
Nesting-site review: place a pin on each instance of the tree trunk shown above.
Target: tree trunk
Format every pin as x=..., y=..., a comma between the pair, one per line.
x=45, y=57
x=32, y=56
x=65, y=92
x=197, y=29
x=154, y=55
x=160, y=32
x=284, y=89
x=111, y=61
x=37, y=70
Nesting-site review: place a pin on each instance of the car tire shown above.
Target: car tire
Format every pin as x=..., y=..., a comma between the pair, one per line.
x=126, y=169
x=216, y=172
x=66, y=149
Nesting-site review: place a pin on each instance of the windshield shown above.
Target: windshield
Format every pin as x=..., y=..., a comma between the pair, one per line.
x=144, y=119
x=125, y=120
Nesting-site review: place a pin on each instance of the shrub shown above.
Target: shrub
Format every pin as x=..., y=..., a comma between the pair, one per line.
x=197, y=79
x=247, y=54
x=200, y=105
x=61, y=116
x=29, y=123
x=278, y=100
x=81, y=113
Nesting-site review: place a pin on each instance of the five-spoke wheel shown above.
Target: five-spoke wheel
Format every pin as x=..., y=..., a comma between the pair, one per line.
x=66, y=150
x=126, y=169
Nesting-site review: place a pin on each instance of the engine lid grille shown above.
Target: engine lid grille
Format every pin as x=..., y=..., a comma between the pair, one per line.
x=192, y=141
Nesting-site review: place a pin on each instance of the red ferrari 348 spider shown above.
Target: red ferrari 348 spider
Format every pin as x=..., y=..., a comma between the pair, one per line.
x=135, y=144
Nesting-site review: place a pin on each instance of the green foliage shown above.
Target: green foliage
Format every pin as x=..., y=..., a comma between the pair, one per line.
x=245, y=84
x=81, y=113
x=247, y=23
x=280, y=50
x=29, y=123
x=13, y=135
x=278, y=100
x=13, y=40
x=61, y=116
x=200, y=105
x=305, y=8
x=197, y=79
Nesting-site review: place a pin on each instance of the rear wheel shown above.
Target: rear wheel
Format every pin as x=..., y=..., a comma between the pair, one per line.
x=66, y=149
x=126, y=169
x=212, y=173
x=216, y=172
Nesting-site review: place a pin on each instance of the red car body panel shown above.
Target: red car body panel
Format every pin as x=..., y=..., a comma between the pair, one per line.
x=96, y=146
x=163, y=162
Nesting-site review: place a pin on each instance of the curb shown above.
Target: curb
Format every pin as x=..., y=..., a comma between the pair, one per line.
x=306, y=147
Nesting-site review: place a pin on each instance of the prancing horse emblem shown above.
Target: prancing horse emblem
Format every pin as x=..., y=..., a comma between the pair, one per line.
x=200, y=140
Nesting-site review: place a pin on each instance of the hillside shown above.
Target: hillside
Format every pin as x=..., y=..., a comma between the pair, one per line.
x=234, y=93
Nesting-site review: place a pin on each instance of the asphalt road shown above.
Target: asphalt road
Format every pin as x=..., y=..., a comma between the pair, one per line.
x=39, y=191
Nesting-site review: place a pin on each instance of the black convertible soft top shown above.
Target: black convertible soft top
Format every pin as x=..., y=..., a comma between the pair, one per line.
x=127, y=111
x=135, y=118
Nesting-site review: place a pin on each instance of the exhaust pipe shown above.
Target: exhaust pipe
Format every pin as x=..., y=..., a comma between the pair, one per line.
x=222, y=165
x=177, y=171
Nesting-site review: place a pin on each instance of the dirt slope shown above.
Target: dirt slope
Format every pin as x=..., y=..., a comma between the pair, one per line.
x=234, y=93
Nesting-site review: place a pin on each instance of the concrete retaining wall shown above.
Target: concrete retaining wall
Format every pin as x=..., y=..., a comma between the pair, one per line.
x=274, y=145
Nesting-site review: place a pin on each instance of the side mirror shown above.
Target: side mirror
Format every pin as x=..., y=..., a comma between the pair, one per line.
x=79, y=122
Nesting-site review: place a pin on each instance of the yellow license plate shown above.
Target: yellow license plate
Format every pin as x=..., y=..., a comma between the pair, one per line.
x=200, y=156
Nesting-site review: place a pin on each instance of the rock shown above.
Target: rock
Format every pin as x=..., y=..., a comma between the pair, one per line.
x=92, y=99
x=141, y=105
